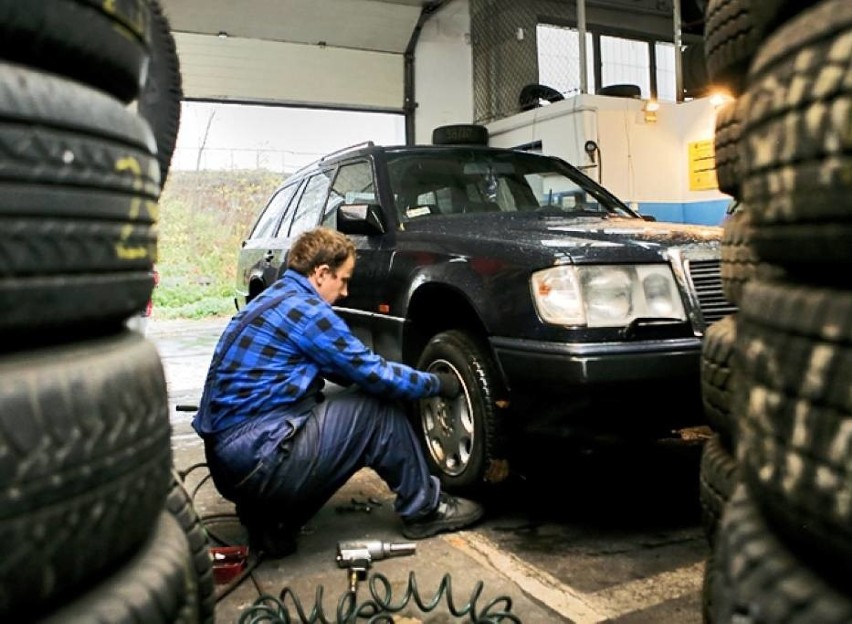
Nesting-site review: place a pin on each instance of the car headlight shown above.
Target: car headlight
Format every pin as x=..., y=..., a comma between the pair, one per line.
x=606, y=296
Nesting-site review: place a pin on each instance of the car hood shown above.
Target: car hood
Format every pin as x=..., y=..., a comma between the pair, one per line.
x=580, y=240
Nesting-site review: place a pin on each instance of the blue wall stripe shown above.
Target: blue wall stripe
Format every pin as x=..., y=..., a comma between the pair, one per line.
x=710, y=212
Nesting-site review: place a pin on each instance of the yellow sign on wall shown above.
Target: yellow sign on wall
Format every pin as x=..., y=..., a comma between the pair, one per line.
x=702, y=166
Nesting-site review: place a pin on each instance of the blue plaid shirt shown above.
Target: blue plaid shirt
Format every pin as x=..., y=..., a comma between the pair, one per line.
x=278, y=357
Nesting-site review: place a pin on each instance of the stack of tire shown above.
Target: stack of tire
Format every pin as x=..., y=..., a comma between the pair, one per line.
x=93, y=525
x=776, y=480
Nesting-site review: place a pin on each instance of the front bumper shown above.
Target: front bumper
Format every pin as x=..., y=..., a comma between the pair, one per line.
x=561, y=365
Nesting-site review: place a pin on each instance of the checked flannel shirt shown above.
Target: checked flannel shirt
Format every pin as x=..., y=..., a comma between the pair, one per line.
x=278, y=358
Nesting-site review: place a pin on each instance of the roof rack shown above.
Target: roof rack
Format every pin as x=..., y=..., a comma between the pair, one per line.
x=364, y=144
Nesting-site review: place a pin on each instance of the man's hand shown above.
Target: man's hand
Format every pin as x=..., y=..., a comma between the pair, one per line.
x=449, y=385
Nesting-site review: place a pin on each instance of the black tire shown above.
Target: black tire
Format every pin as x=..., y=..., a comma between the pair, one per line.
x=734, y=31
x=717, y=478
x=460, y=134
x=103, y=44
x=740, y=261
x=179, y=504
x=156, y=586
x=795, y=407
x=794, y=157
x=460, y=449
x=531, y=95
x=758, y=580
x=621, y=90
x=707, y=583
x=84, y=437
x=768, y=15
x=727, y=139
x=78, y=191
x=731, y=42
x=718, y=378
x=159, y=102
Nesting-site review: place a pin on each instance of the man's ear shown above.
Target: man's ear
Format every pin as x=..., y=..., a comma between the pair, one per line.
x=322, y=271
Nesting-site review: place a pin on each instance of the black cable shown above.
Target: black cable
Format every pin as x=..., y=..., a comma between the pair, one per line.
x=376, y=609
x=206, y=520
x=185, y=473
x=379, y=606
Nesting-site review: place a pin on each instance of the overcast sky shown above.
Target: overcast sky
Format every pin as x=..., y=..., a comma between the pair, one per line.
x=277, y=138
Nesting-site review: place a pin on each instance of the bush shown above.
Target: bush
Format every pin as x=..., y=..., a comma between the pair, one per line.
x=204, y=217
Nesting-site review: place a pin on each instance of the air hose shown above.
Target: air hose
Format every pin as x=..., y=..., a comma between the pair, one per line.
x=379, y=607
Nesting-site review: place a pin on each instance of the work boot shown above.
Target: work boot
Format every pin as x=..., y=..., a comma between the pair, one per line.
x=272, y=540
x=452, y=514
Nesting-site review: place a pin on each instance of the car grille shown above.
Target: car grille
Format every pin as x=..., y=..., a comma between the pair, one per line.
x=707, y=279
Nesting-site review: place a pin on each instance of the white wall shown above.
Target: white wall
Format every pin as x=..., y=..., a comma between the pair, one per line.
x=443, y=75
x=644, y=163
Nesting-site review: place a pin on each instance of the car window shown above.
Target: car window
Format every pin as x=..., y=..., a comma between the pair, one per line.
x=311, y=203
x=268, y=221
x=555, y=191
x=460, y=181
x=352, y=185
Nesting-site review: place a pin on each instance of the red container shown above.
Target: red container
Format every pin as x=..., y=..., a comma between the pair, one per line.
x=228, y=562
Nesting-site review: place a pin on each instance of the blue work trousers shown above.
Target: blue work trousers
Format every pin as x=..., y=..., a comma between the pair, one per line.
x=286, y=475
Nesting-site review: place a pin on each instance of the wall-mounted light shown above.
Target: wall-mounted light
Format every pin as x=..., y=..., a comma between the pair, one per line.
x=717, y=98
x=222, y=34
x=649, y=110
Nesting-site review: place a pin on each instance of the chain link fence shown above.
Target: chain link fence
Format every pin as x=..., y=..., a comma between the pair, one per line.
x=528, y=50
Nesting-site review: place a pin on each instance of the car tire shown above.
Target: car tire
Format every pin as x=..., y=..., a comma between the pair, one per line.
x=718, y=477
x=795, y=406
x=718, y=378
x=159, y=101
x=731, y=40
x=179, y=504
x=727, y=140
x=85, y=463
x=794, y=151
x=740, y=261
x=461, y=437
x=460, y=134
x=757, y=579
x=102, y=44
x=156, y=584
x=77, y=205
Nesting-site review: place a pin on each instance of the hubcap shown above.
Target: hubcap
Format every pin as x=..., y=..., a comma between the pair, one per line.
x=448, y=425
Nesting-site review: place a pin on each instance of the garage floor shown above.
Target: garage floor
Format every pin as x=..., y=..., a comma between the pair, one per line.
x=631, y=560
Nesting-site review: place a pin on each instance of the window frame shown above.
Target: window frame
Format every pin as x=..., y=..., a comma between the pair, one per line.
x=327, y=211
x=329, y=174
x=598, y=32
x=276, y=219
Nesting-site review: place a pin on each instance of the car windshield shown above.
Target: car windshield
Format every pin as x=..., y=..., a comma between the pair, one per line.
x=459, y=181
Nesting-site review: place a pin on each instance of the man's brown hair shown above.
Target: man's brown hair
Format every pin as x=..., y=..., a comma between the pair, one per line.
x=317, y=247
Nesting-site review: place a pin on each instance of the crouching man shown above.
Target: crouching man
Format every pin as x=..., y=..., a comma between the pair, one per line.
x=276, y=447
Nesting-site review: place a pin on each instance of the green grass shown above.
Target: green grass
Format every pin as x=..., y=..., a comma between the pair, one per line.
x=204, y=217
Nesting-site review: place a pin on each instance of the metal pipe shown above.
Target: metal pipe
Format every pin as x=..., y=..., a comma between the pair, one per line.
x=581, y=29
x=409, y=105
x=678, y=54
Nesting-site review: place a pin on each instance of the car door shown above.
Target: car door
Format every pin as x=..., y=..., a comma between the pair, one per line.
x=365, y=309
x=259, y=256
x=302, y=215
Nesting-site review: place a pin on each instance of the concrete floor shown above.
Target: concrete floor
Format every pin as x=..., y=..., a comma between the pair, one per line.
x=615, y=560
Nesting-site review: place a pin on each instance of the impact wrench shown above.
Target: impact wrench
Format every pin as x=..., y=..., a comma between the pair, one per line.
x=358, y=556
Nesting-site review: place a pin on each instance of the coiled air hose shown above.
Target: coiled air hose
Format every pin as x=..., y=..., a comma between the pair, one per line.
x=379, y=607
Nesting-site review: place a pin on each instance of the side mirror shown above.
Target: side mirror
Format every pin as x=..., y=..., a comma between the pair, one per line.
x=360, y=219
